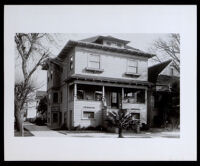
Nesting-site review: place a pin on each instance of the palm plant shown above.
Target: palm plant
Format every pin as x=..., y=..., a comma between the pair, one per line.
x=122, y=119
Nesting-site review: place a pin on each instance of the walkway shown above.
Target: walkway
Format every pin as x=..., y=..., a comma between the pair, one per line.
x=41, y=131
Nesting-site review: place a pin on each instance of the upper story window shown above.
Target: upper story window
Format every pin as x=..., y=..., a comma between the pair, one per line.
x=47, y=76
x=55, y=97
x=171, y=71
x=94, y=61
x=132, y=66
x=71, y=63
x=119, y=44
x=49, y=98
x=51, y=74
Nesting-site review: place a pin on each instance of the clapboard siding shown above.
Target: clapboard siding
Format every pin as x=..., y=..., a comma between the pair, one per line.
x=113, y=64
x=79, y=107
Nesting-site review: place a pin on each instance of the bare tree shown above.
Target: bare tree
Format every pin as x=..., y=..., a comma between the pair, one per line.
x=32, y=53
x=168, y=49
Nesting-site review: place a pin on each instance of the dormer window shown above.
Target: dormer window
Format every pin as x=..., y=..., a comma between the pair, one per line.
x=108, y=43
x=119, y=44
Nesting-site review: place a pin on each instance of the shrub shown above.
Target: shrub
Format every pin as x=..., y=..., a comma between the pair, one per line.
x=145, y=127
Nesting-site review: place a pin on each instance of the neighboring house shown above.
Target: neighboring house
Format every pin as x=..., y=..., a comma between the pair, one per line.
x=164, y=93
x=93, y=76
x=31, y=107
x=39, y=96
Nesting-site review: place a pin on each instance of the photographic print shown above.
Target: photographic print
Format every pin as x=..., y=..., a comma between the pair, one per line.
x=99, y=86
x=100, y=83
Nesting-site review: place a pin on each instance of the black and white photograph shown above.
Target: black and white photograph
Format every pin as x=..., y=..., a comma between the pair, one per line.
x=109, y=86
x=97, y=86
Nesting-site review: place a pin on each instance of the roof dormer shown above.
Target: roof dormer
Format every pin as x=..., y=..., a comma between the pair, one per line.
x=107, y=41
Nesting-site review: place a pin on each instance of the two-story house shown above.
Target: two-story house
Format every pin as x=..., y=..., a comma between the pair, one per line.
x=93, y=76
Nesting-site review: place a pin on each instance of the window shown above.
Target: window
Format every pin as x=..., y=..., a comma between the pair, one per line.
x=55, y=117
x=114, y=97
x=49, y=98
x=171, y=71
x=47, y=76
x=88, y=115
x=134, y=96
x=71, y=64
x=136, y=115
x=119, y=44
x=61, y=97
x=98, y=95
x=94, y=61
x=55, y=97
x=51, y=74
x=132, y=66
x=80, y=94
x=108, y=43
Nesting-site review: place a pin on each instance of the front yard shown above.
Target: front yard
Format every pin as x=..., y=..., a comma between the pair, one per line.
x=43, y=131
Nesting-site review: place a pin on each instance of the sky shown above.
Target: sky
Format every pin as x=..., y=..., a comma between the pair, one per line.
x=139, y=41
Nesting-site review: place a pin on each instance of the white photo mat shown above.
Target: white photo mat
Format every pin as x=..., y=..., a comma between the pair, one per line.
x=104, y=19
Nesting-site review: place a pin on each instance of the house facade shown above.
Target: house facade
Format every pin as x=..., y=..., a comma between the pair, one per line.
x=93, y=76
x=165, y=93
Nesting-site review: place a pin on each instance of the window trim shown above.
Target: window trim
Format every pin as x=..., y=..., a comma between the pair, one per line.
x=129, y=73
x=171, y=71
x=57, y=98
x=88, y=68
x=57, y=114
x=51, y=74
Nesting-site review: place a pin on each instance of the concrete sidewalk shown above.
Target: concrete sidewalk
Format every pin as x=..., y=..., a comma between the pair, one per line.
x=41, y=131
x=44, y=131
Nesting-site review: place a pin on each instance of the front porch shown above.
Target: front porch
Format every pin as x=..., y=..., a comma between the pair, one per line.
x=90, y=103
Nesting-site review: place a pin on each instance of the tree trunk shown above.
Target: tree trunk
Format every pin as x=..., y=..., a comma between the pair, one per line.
x=20, y=122
x=120, y=132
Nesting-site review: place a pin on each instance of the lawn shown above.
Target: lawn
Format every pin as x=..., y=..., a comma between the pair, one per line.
x=26, y=133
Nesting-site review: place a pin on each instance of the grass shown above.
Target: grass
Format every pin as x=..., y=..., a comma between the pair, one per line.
x=26, y=133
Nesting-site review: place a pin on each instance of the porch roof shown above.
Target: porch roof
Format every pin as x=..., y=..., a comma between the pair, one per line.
x=108, y=80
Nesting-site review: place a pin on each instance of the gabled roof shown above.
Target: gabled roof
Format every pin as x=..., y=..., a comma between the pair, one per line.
x=99, y=38
x=40, y=94
x=155, y=70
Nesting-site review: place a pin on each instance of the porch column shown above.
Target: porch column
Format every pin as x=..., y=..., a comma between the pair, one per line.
x=146, y=96
x=103, y=93
x=75, y=91
x=122, y=93
x=122, y=98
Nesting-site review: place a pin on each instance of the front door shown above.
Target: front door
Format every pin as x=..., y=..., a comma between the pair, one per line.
x=115, y=99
